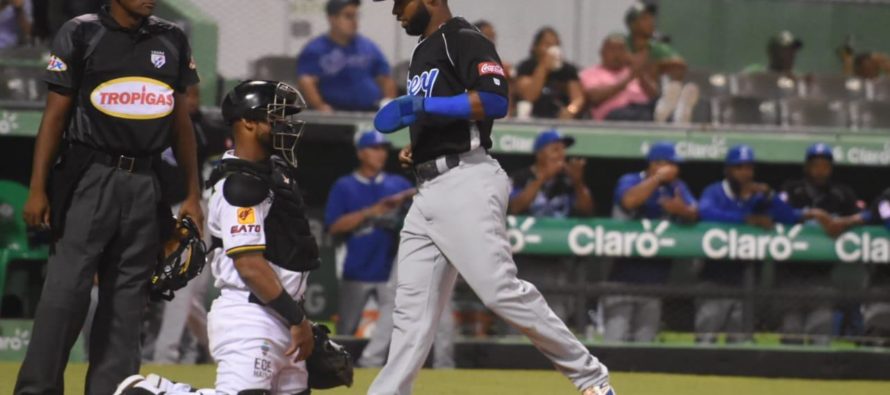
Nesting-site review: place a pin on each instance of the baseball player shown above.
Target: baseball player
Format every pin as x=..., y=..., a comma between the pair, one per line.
x=259, y=335
x=456, y=88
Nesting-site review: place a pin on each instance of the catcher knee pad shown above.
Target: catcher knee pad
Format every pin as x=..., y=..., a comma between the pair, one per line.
x=254, y=392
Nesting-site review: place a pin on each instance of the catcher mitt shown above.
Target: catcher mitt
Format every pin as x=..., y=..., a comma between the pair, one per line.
x=330, y=365
x=183, y=259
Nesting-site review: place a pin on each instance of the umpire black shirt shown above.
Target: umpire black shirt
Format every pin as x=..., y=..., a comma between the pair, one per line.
x=122, y=81
x=455, y=59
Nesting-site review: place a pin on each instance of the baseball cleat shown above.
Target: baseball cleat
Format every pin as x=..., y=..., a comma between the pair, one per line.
x=602, y=389
x=128, y=383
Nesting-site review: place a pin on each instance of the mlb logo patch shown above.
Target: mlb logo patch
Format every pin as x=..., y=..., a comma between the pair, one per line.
x=56, y=64
x=158, y=59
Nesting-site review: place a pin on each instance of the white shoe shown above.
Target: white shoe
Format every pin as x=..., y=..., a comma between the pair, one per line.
x=602, y=389
x=128, y=383
x=165, y=385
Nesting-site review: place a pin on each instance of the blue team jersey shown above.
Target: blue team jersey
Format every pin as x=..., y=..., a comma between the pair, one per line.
x=720, y=204
x=370, y=250
x=652, y=270
x=346, y=74
x=651, y=209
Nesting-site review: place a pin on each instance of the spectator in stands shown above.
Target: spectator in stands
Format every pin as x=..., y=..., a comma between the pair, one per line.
x=16, y=17
x=365, y=210
x=553, y=186
x=781, y=51
x=738, y=199
x=867, y=65
x=805, y=322
x=619, y=88
x=652, y=53
x=654, y=193
x=342, y=70
x=547, y=81
x=642, y=41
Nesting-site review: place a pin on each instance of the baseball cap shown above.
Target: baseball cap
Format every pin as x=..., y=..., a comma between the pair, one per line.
x=663, y=150
x=821, y=150
x=785, y=39
x=637, y=9
x=370, y=138
x=740, y=155
x=334, y=6
x=548, y=137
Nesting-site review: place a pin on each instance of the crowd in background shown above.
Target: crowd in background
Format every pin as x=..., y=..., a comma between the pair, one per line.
x=640, y=77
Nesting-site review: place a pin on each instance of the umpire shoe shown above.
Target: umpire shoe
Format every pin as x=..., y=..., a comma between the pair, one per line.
x=602, y=389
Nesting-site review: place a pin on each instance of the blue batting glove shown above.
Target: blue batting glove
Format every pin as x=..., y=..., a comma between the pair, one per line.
x=399, y=113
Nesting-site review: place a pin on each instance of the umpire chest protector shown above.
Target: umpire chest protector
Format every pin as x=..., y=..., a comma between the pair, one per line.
x=289, y=241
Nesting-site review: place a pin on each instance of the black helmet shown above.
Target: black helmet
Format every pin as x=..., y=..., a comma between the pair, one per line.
x=270, y=101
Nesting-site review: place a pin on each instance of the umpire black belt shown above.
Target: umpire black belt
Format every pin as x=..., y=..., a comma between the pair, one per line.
x=129, y=164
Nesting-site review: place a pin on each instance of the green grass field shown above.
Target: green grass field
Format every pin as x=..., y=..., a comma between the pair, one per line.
x=520, y=382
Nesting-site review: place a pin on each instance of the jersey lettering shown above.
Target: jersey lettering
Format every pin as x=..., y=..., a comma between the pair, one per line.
x=425, y=82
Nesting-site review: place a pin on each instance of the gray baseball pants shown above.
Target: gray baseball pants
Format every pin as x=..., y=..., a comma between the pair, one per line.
x=457, y=225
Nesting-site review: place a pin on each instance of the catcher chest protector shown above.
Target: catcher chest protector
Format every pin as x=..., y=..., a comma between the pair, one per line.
x=289, y=241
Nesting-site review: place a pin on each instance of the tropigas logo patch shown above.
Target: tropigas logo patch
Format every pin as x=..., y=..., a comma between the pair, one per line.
x=133, y=98
x=246, y=216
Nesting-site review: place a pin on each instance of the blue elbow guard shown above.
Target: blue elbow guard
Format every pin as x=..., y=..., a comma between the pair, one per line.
x=453, y=106
x=494, y=104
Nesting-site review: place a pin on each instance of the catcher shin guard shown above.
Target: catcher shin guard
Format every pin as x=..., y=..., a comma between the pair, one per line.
x=184, y=257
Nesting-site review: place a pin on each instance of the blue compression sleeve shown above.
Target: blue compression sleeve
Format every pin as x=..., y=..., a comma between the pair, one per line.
x=459, y=106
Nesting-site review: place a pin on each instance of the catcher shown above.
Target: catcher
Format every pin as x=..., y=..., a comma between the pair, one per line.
x=259, y=335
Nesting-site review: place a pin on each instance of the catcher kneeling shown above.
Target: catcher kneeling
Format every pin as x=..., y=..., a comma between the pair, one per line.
x=259, y=335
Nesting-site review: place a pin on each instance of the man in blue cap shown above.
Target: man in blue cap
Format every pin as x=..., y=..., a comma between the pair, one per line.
x=654, y=193
x=738, y=199
x=553, y=186
x=363, y=211
x=802, y=321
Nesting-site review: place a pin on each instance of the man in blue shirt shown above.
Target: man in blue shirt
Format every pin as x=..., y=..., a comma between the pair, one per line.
x=343, y=70
x=655, y=193
x=553, y=186
x=738, y=199
x=365, y=210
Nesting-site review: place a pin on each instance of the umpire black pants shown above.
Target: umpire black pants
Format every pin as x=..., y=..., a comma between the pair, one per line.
x=110, y=231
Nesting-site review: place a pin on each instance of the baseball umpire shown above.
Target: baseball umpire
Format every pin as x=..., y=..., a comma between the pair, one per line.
x=456, y=88
x=117, y=83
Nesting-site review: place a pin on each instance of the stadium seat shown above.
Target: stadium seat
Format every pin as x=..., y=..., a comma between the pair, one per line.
x=762, y=85
x=13, y=231
x=736, y=110
x=878, y=90
x=709, y=84
x=276, y=68
x=834, y=87
x=800, y=111
x=22, y=83
x=871, y=115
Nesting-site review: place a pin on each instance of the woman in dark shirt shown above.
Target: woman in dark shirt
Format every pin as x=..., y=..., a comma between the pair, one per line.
x=549, y=82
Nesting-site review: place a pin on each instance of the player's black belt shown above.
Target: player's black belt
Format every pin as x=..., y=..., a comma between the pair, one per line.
x=130, y=164
x=429, y=170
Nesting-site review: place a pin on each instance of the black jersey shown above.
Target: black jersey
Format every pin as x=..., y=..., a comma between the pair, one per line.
x=122, y=81
x=834, y=198
x=455, y=59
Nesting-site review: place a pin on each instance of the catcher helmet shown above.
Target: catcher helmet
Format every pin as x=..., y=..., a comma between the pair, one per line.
x=273, y=102
x=183, y=259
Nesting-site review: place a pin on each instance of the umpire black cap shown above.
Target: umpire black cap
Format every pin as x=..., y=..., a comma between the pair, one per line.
x=334, y=6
